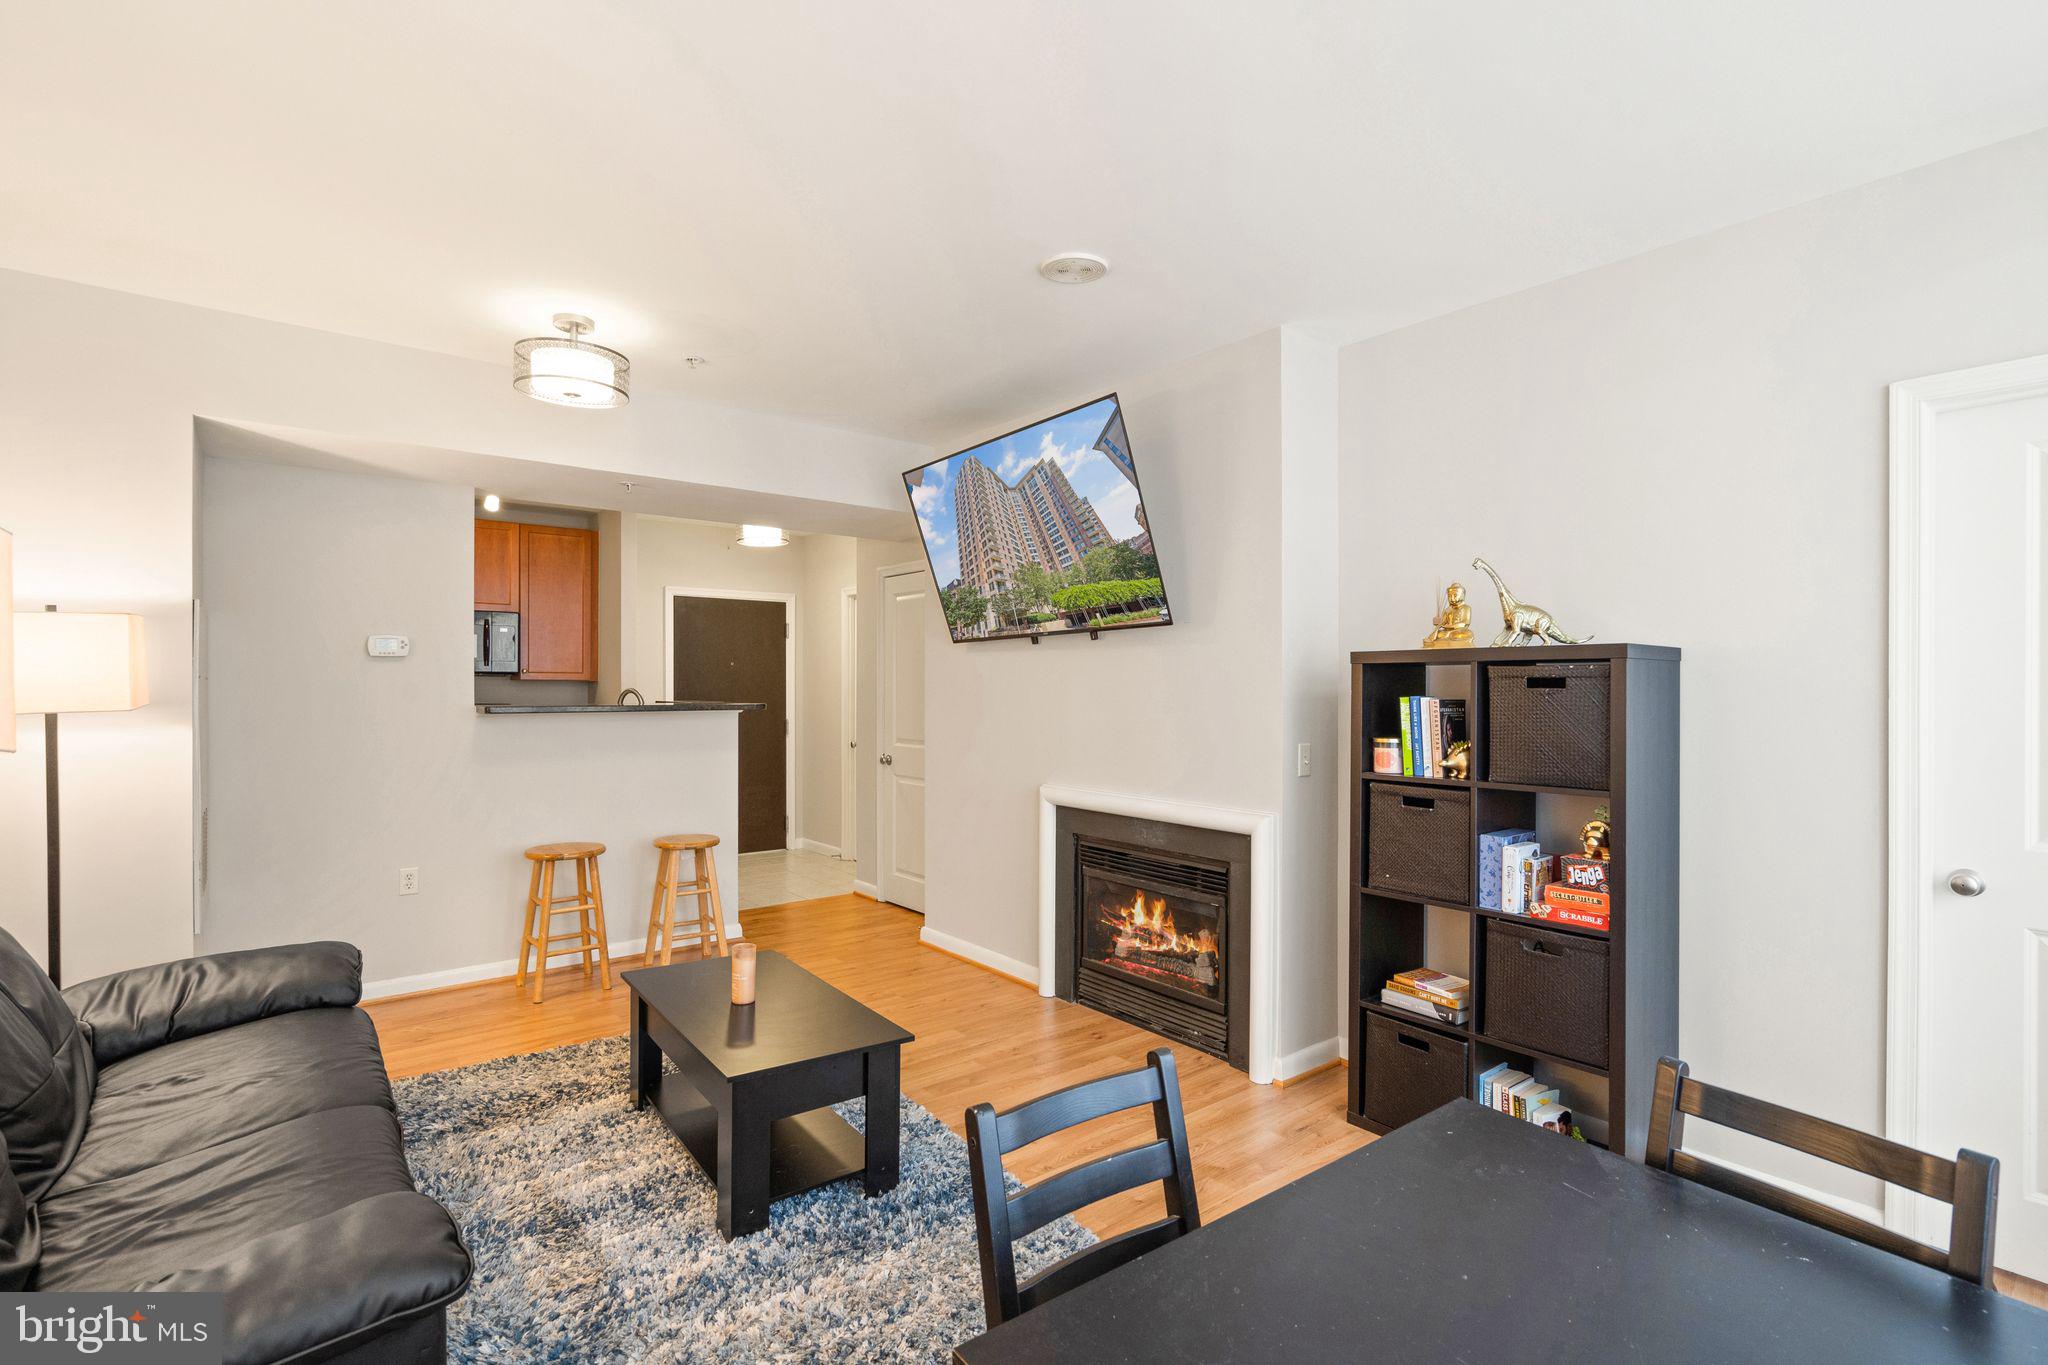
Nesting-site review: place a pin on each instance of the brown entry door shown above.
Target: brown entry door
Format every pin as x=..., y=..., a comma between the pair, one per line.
x=731, y=649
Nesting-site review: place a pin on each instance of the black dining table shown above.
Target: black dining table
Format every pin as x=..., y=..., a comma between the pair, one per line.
x=1468, y=1236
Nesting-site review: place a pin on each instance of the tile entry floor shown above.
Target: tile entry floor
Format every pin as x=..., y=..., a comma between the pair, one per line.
x=780, y=875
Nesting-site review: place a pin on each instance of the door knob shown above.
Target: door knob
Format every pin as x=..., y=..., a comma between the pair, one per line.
x=1965, y=881
x=888, y=760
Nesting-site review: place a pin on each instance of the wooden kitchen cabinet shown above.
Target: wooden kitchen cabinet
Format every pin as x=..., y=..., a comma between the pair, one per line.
x=497, y=566
x=557, y=603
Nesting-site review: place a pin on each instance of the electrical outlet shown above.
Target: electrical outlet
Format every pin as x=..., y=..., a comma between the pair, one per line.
x=408, y=881
x=1301, y=760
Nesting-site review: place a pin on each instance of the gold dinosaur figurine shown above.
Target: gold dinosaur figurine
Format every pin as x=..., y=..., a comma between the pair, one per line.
x=1522, y=623
x=1458, y=762
x=1453, y=624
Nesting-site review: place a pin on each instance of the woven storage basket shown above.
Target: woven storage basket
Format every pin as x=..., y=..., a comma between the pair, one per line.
x=1409, y=1071
x=1546, y=990
x=1546, y=724
x=1419, y=842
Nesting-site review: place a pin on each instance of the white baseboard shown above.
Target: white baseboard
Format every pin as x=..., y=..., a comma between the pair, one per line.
x=866, y=889
x=974, y=952
x=813, y=846
x=491, y=971
x=1291, y=1064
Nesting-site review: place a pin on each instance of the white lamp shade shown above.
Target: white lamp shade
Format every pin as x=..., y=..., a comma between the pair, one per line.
x=7, y=643
x=78, y=661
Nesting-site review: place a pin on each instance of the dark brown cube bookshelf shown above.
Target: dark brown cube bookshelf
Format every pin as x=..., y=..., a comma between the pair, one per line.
x=1390, y=930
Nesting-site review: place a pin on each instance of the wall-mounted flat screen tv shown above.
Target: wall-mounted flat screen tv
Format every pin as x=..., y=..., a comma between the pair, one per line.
x=1042, y=531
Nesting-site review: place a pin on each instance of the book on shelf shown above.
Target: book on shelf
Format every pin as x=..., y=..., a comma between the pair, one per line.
x=1429, y=727
x=1503, y=1082
x=1450, y=730
x=1427, y=1009
x=1553, y=1115
x=1525, y=1096
x=1441, y=987
x=1483, y=1087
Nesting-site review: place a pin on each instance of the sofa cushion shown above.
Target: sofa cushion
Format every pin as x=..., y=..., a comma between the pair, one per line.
x=187, y=1096
x=199, y=1209
x=147, y=1007
x=20, y=1242
x=46, y=1073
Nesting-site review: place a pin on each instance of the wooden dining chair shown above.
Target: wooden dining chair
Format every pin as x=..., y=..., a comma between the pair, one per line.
x=1000, y=1219
x=1969, y=1184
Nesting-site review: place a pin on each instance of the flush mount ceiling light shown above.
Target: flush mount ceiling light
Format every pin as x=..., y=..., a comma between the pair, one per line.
x=1073, y=267
x=569, y=370
x=763, y=537
x=492, y=502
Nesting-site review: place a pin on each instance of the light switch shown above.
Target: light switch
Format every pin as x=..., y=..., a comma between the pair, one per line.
x=1301, y=760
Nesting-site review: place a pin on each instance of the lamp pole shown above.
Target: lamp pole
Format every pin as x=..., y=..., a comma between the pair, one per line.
x=52, y=860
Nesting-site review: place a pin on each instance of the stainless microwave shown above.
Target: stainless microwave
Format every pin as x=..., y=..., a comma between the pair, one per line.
x=497, y=642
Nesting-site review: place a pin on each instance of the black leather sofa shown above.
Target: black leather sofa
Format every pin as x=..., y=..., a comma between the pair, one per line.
x=222, y=1123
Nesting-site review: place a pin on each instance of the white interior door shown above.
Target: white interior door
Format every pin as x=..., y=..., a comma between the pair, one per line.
x=901, y=822
x=1983, y=852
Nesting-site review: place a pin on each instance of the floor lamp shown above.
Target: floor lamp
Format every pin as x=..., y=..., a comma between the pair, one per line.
x=70, y=661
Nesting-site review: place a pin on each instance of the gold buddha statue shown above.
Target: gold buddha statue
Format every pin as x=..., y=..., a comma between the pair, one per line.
x=1453, y=624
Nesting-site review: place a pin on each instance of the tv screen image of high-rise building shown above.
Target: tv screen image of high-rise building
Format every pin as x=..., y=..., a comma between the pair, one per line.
x=1042, y=531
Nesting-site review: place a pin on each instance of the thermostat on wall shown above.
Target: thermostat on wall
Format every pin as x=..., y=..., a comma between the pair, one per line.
x=389, y=646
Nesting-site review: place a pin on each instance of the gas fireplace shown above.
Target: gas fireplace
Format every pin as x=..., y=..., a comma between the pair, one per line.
x=1150, y=933
x=1170, y=938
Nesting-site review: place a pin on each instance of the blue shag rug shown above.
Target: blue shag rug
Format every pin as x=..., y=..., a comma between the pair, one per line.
x=595, y=1233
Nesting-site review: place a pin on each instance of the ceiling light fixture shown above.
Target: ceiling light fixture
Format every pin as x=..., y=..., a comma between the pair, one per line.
x=763, y=537
x=569, y=370
x=492, y=502
x=1073, y=267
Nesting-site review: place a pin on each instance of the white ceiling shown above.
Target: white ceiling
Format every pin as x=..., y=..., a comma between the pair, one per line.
x=841, y=205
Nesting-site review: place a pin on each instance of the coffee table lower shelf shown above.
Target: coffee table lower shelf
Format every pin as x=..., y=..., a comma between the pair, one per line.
x=804, y=1150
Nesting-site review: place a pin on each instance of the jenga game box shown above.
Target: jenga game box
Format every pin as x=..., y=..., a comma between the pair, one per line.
x=1583, y=874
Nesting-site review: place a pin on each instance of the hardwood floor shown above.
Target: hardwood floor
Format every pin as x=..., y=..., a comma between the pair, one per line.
x=980, y=1036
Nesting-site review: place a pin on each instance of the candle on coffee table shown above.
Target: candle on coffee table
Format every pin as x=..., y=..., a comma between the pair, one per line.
x=743, y=973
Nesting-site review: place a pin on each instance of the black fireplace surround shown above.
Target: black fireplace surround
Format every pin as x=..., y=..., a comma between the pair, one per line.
x=1152, y=925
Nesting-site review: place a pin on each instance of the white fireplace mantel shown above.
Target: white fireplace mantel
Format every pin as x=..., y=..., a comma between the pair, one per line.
x=1263, y=898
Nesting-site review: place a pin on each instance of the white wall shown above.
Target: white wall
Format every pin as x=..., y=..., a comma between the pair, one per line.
x=1192, y=712
x=331, y=770
x=1689, y=448
x=97, y=464
x=1314, y=682
x=830, y=568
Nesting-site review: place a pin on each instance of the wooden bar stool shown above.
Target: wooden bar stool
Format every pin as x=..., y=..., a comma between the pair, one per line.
x=542, y=905
x=709, y=929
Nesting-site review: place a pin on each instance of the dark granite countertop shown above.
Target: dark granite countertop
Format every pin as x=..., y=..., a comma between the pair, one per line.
x=499, y=709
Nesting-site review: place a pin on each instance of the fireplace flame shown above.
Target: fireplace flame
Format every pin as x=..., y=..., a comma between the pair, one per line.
x=1146, y=923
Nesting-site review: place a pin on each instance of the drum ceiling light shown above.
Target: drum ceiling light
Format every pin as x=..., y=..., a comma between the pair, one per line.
x=569, y=370
x=763, y=537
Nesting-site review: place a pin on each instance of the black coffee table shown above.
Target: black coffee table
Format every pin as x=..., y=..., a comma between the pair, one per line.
x=753, y=1101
